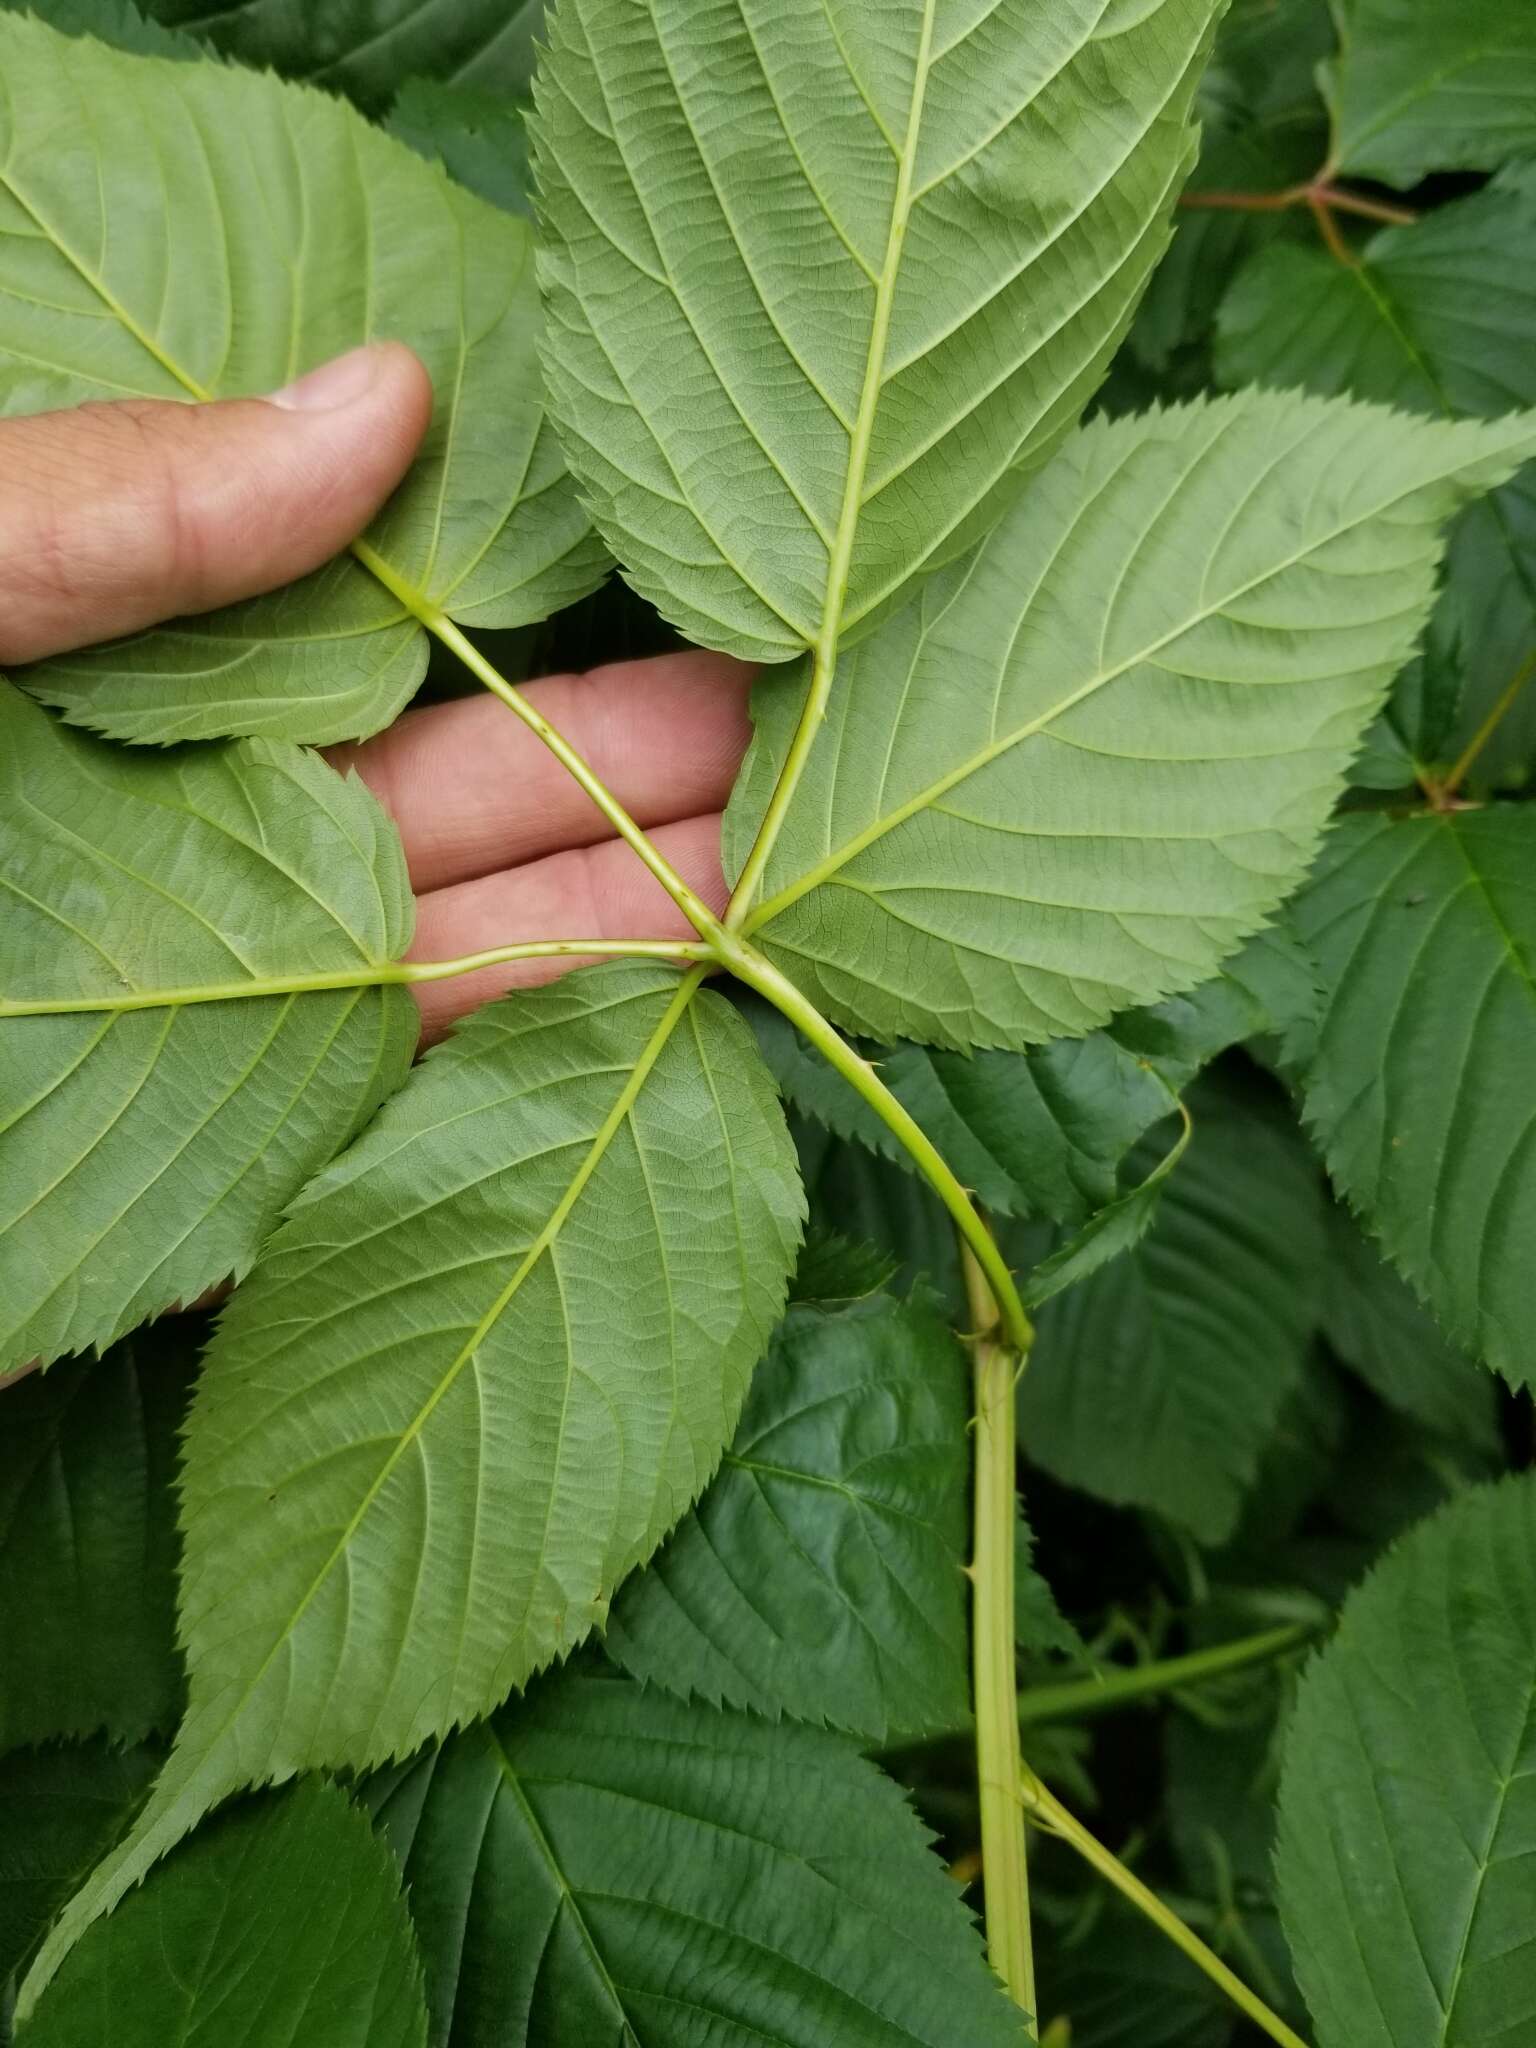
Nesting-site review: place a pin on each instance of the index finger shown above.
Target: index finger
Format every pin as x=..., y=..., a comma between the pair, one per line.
x=473, y=791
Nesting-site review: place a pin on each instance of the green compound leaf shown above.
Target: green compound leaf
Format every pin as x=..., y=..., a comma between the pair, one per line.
x=61, y=1809
x=88, y=1544
x=1084, y=764
x=145, y=1153
x=604, y=1865
x=1422, y=86
x=365, y=47
x=1192, y=1340
x=821, y=1574
x=282, y=1921
x=1425, y=929
x=826, y=279
x=1436, y=318
x=494, y=1354
x=1406, y=1869
x=171, y=230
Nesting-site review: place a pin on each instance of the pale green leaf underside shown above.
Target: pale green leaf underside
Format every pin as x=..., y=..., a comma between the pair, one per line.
x=88, y=1544
x=1192, y=1340
x=825, y=277
x=1435, y=318
x=820, y=1575
x=1427, y=85
x=1406, y=1865
x=281, y=1923
x=1090, y=759
x=491, y=1358
x=187, y=229
x=1425, y=929
x=603, y=1866
x=144, y=1154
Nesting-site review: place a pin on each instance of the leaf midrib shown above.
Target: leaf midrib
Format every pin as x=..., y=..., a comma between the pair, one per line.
x=840, y=856
x=840, y=559
x=607, y=1131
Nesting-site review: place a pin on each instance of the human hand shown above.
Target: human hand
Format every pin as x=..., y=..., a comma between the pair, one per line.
x=114, y=517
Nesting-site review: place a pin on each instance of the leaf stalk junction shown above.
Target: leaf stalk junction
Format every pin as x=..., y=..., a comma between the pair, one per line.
x=1001, y=1333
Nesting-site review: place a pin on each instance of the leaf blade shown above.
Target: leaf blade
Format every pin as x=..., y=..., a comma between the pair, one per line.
x=1167, y=774
x=1425, y=929
x=770, y=495
x=1412, y=1740
x=144, y=1153
x=819, y=1577
x=536, y=1433
x=563, y=1854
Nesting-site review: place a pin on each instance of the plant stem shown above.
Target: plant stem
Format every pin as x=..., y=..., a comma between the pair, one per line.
x=438, y=623
x=1043, y=1804
x=1005, y=1870
x=387, y=974
x=748, y=965
x=1081, y=1698
x=1502, y=705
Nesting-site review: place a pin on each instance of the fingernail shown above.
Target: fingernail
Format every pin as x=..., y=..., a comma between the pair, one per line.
x=333, y=385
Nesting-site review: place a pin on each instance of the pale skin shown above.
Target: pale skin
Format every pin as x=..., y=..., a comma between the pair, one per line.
x=114, y=517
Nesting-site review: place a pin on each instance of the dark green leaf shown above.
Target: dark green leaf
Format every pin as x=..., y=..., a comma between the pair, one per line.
x=478, y=138
x=61, y=1809
x=88, y=1544
x=1436, y=318
x=821, y=1574
x=1407, y=1858
x=1123, y=1985
x=1433, y=85
x=281, y=1922
x=1422, y=1087
x=1375, y=1323
x=1160, y=1380
x=365, y=47
x=602, y=1865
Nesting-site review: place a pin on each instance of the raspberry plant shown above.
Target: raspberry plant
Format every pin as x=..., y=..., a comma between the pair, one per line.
x=600, y=1490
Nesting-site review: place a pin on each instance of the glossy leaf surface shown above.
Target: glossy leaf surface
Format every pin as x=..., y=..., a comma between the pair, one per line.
x=88, y=1544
